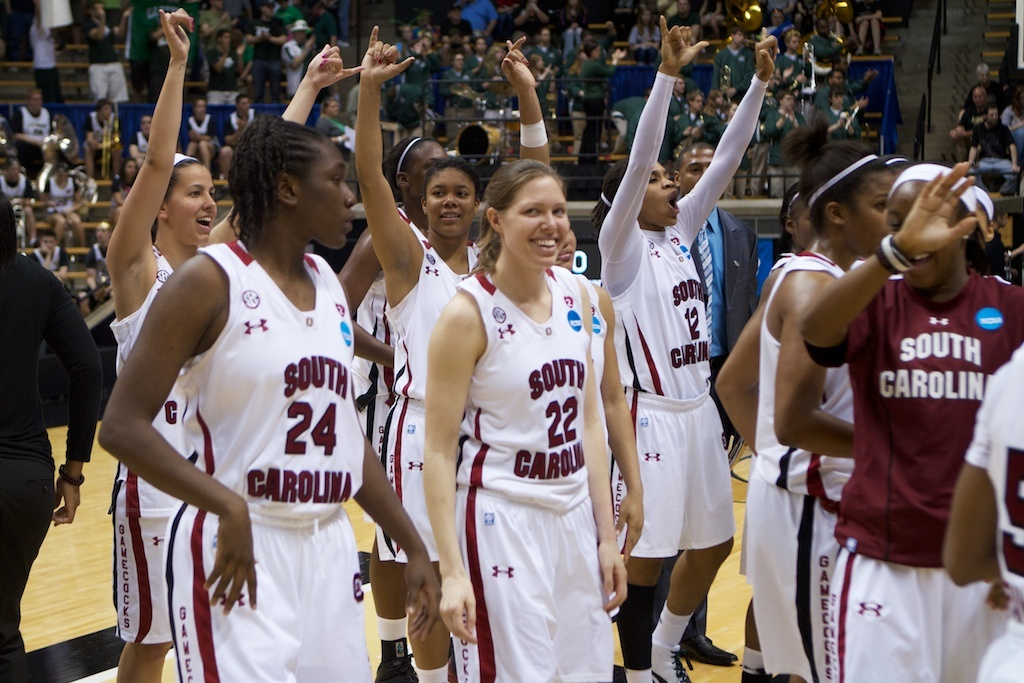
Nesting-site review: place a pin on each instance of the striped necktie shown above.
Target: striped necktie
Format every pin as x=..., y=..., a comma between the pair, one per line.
x=704, y=250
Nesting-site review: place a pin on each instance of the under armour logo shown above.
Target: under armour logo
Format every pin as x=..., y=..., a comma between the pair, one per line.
x=938, y=321
x=239, y=603
x=870, y=609
x=507, y=571
x=502, y=331
x=656, y=457
x=261, y=326
x=157, y=540
x=418, y=466
x=431, y=271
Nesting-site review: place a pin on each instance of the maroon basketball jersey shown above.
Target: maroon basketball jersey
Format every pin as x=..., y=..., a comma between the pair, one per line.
x=919, y=369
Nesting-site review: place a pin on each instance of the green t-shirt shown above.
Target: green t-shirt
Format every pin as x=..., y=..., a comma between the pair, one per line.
x=599, y=73
x=146, y=19
x=288, y=15
x=100, y=51
x=325, y=27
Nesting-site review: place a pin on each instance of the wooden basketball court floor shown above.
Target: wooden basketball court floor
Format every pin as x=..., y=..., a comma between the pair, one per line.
x=68, y=616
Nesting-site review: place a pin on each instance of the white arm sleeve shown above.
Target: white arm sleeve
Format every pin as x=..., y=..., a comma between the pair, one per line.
x=620, y=240
x=695, y=207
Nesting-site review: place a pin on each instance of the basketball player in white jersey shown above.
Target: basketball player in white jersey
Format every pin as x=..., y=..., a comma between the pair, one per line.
x=645, y=234
x=421, y=272
x=262, y=336
x=985, y=536
x=528, y=554
x=627, y=487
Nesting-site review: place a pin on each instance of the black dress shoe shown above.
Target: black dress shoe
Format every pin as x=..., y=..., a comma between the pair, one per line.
x=701, y=649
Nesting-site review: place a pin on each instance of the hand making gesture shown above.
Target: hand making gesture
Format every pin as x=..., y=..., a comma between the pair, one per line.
x=676, y=48
x=516, y=66
x=380, y=61
x=766, y=51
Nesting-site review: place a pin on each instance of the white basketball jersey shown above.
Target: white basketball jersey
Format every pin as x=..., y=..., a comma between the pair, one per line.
x=414, y=317
x=794, y=469
x=145, y=500
x=200, y=129
x=661, y=335
x=62, y=197
x=367, y=376
x=998, y=446
x=270, y=403
x=36, y=126
x=523, y=429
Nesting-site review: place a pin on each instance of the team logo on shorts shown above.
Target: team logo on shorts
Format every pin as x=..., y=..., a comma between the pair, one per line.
x=346, y=333
x=873, y=610
x=989, y=319
x=645, y=422
x=489, y=518
x=162, y=275
x=430, y=259
x=596, y=324
x=575, y=322
x=499, y=314
x=250, y=298
x=497, y=571
x=410, y=429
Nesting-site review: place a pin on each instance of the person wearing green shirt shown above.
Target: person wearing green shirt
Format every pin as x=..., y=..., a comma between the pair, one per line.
x=841, y=125
x=287, y=12
x=740, y=60
x=792, y=70
x=595, y=74
x=457, y=109
x=853, y=90
x=325, y=25
x=779, y=123
x=826, y=46
x=210, y=22
x=551, y=54
x=404, y=104
x=626, y=115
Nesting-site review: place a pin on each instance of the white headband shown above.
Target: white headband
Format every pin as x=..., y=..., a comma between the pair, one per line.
x=178, y=158
x=405, y=151
x=986, y=202
x=605, y=201
x=927, y=173
x=834, y=180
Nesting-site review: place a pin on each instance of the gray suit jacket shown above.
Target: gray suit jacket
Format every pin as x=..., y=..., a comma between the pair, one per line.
x=740, y=285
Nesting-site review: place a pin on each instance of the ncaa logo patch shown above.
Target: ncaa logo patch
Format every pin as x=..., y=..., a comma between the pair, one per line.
x=410, y=429
x=575, y=322
x=499, y=314
x=595, y=322
x=989, y=319
x=346, y=333
x=250, y=298
x=489, y=518
x=645, y=422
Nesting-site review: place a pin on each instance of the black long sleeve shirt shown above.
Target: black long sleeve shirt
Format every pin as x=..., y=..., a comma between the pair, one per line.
x=34, y=307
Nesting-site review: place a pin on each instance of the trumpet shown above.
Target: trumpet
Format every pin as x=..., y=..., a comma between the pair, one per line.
x=808, y=55
x=111, y=143
x=850, y=116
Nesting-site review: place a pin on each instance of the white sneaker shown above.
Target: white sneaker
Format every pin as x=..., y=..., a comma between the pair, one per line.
x=666, y=665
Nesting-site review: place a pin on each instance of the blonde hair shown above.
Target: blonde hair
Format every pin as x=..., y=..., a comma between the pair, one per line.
x=502, y=191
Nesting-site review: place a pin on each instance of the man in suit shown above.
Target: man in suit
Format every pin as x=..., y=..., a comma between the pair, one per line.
x=732, y=298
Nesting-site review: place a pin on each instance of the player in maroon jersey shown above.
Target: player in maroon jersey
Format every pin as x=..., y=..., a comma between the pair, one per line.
x=921, y=349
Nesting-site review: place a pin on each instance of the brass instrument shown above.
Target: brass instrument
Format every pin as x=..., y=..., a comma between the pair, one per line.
x=110, y=145
x=745, y=13
x=62, y=145
x=840, y=9
x=851, y=115
x=808, y=55
x=725, y=81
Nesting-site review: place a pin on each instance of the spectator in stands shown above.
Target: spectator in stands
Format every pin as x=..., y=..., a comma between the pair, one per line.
x=842, y=125
x=595, y=74
x=8, y=148
x=784, y=6
x=458, y=109
x=645, y=37
x=106, y=75
x=694, y=125
x=790, y=67
x=993, y=90
x=476, y=58
x=296, y=54
x=225, y=67
x=455, y=26
x=18, y=21
x=427, y=62
x=44, y=59
x=266, y=35
x=211, y=22
x=240, y=11
x=570, y=22
x=687, y=15
x=740, y=60
x=544, y=48
x=481, y=15
x=139, y=147
x=143, y=33
x=97, y=280
x=712, y=19
x=867, y=16
x=63, y=200
x=677, y=104
x=202, y=137
x=531, y=18
x=99, y=136
x=779, y=123
x=287, y=12
x=16, y=186
x=971, y=116
x=31, y=123
x=51, y=256
x=330, y=125
x=852, y=90
x=343, y=22
x=993, y=152
x=826, y=46
x=236, y=124
x=406, y=104
x=625, y=114
x=325, y=26
x=1013, y=118
x=120, y=186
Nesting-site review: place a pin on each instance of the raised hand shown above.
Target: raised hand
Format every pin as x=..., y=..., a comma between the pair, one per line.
x=327, y=68
x=379, y=62
x=931, y=223
x=516, y=66
x=177, y=25
x=766, y=51
x=676, y=50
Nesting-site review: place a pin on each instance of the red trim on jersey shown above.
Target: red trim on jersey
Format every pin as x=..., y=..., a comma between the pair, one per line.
x=819, y=257
x=144, y=595
x=389, y=373
x=311, y=261
x=486, y=283
x=815, y=487
x=405, y=217
x=485, y=643
x=550, y=273
x=634, y=404
x=843, y=597
x=408, y=371
x=240, y=252
x=208, y=458
x=201, y=603
x=476, y=426
x=650, y=360
x=398, y=449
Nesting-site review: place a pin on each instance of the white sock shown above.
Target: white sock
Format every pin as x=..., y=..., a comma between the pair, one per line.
x=753, y=661
x=391, y=629
x=670, y=628
x=432, y=675
x=644, y=676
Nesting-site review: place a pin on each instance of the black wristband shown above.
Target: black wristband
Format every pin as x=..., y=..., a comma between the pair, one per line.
x=68, y=479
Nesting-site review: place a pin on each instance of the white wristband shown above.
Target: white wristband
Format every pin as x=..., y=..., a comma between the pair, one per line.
x=533, y=134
